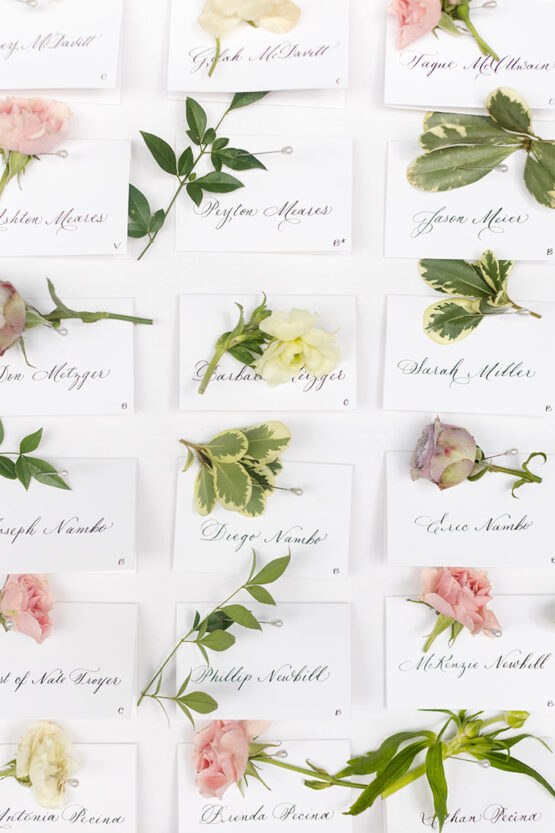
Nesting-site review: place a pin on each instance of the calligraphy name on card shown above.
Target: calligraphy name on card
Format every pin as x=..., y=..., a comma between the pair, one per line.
x=299, y=670
x=88, y=371
x=75, y=205
x=288, y=805
x=477, y=523
x=313, y=55
x=503, y=367
x=85, y=668
x=481, y=798
x=497, y=212
x=60, y=45
x=235, y=386
x=290, y=207
x=515, y=671
x=442, y=71
x=105, y=797
x=315, y=527
x=91, y=527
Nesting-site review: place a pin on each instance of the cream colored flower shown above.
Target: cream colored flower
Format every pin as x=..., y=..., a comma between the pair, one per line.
x=44, y=759
x=219, y=17
x=297, y=344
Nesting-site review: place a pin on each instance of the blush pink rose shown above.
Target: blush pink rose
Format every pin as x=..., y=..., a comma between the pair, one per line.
x=26, y=601
x=416, y=18
x=462, y=594
x=12, y=316
x=221, y=754
x=32, y=125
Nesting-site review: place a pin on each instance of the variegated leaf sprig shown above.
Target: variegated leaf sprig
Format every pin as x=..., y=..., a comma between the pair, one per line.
x=26, y=468
x=483, y=286
x=462, y=149
x=238, y=468
x=212, y=634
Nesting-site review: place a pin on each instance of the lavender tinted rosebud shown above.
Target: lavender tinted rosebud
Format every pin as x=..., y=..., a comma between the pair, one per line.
x=445, y=455
x=12, y=316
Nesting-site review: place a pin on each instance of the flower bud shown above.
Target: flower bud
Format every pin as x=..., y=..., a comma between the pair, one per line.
x=445, y=455
x=12, y=316
x=516, y=719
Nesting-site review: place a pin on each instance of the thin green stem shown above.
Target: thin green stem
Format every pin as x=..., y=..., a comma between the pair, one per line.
x=529, y=311
x=318, y=776
x=463, y=13
x=216, y=58
x=221, y=351
x=520, y=473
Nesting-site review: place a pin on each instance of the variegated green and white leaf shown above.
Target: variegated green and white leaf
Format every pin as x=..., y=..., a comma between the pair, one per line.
x=510, y=110
x=205, y=492
x=478, y=130
x=233, y=485
x=449, y=321
x=256, y=504
x=489, y=267
x=262, y=475
x=228, y=446
x=454, y=277
x=189, y=461
x=276, y=467
x=267, y=441
x=454, y=167
x=539, y=173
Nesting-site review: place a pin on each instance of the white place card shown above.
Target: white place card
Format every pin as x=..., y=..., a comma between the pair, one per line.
x=236, y=386
x=69, y=206
x=60, y=44
x=315, y=527
x=497, y=212
x=515, y=671
x=313, y=55
x=290, y=207
x=90, y=528
x=477, y=524
x=106, y=795
x=480, y=798
x=84, y=670
x=287, y=805
x=89, y=371
x=443, y=72
x=503, y=367
x=299, y=671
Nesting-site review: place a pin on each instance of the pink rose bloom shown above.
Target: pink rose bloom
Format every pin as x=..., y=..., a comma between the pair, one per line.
x=445, y=455
x=221, y=754
x=12, y=316
x=32, y=125
x=462, y=594
x=416, y=18
x=26, y=601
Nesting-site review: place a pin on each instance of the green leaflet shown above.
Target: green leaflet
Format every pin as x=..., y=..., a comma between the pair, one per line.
x=256, y=504
x=509, y=109
x=392, y=772
x=228, y=446
x=453, y=167
x=242, y=616
x=435, y=773
x=233, y=485
x=454, y=277
x=267, y=441
x=205, y=492
x=539, y=173
x=494, y=272
x=378, y=759
x=468, y=130
x=446, y=322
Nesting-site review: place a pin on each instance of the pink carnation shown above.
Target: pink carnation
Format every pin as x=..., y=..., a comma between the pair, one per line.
x=221, y=754
x=26, y=601
x=416, y=18
x=12, y=316
x=31, y=125
x=462, y=594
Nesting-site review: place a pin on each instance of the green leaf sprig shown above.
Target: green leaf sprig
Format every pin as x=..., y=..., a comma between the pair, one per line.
x=212, y=634
x=462, y=149
x=246, y=342
x=398, y=761
x=144, y=223
x=238, y=468
x=25, y=468
x=484, y=287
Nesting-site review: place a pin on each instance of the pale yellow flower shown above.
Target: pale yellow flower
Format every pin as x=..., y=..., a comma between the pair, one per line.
x=44, y=759
x=297, y=344
x=220, y=17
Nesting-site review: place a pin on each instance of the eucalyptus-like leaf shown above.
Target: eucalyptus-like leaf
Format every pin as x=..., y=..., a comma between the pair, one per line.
x=452, y=320
x=244, y=99
x=45, y=473
x=539, y=172
x=218, y=641
x=31, y=442
x=261, y=595
x=510, y=110
x=218, y=183
x=205, y=491
x=454, y=167
x=199, y=701
x=242, y=616
x=272, y=571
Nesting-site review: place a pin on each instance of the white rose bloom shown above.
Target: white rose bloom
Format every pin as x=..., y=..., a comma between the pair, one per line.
x=219, y=17
x=297, y=344
x=44, y=758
